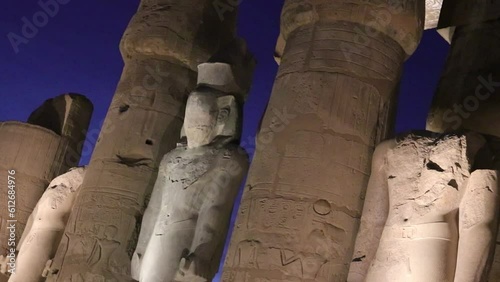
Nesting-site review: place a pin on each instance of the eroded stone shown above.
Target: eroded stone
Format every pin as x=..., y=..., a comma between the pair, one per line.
x=431, y=210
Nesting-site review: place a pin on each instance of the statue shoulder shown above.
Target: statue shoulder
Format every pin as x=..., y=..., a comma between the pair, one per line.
x=234, y=158
x=168, y=157
x=381, y=151
x=235, y=152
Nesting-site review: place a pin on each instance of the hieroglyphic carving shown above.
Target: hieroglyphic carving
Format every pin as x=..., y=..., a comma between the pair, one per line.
x=332, y=102
x=103, y=254
x=282, y=218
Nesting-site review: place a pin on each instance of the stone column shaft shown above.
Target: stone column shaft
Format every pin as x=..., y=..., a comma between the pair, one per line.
x=30, y=151
x=162, y=46
x=333, y=100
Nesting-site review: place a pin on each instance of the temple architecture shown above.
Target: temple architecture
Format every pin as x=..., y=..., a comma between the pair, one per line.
x=333, y=100
x=163, y=45
x=153, y=203
x=32, y=153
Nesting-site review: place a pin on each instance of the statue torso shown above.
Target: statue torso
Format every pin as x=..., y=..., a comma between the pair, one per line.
x=426, y=180
x=188, y=178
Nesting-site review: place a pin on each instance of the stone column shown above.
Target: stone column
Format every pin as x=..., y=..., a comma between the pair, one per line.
x=333, y=100
x=468, y=94
x=36, y=152
x=162, y=46
x=69, y=116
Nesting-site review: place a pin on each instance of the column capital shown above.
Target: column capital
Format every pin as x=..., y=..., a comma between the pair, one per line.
x=187, y=33
x=401, y=20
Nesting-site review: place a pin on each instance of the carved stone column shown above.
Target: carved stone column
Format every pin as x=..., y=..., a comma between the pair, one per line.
x=332, y=101
x=35, y=152
x=161, y=47
x=468, y=94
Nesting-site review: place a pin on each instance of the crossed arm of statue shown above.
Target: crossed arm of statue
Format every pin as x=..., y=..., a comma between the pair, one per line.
x=375, y=211
x=148, y=223
x=476, y=223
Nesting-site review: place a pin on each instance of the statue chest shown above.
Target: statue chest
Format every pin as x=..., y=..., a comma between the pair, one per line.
x=186, y=166
x=427, y=177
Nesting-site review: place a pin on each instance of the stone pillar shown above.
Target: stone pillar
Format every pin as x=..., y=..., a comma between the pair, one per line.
x=69, y=116
x=37, y=151
x=333, y=100
x=468, y=94
x=162, y=46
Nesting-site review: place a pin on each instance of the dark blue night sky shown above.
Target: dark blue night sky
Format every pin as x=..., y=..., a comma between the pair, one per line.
x=77, y=51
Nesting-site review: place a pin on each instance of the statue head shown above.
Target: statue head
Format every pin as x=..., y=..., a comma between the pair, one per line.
x=230, y=70
x=210, y=115
x=213, y=109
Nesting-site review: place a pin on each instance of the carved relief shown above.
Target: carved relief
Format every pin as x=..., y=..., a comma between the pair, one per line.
x=332, y=101
x=102, y=254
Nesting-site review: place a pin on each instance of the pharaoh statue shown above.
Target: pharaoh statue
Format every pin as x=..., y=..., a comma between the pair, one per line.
x=185, y=224
x=45, y=227
x=431, y=210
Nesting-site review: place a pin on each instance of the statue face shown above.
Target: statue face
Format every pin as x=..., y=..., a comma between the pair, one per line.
x=201, y=119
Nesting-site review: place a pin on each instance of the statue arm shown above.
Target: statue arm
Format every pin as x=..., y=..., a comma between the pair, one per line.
x=213, y=221
x=148, y=223
x=28, y=227
x=478, y=221
x=374, y=216
x=150, y=216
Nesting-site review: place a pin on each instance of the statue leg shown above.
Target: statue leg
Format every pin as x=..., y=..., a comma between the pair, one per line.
x=34, y=255
x=164, y=253
x=208, y=242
